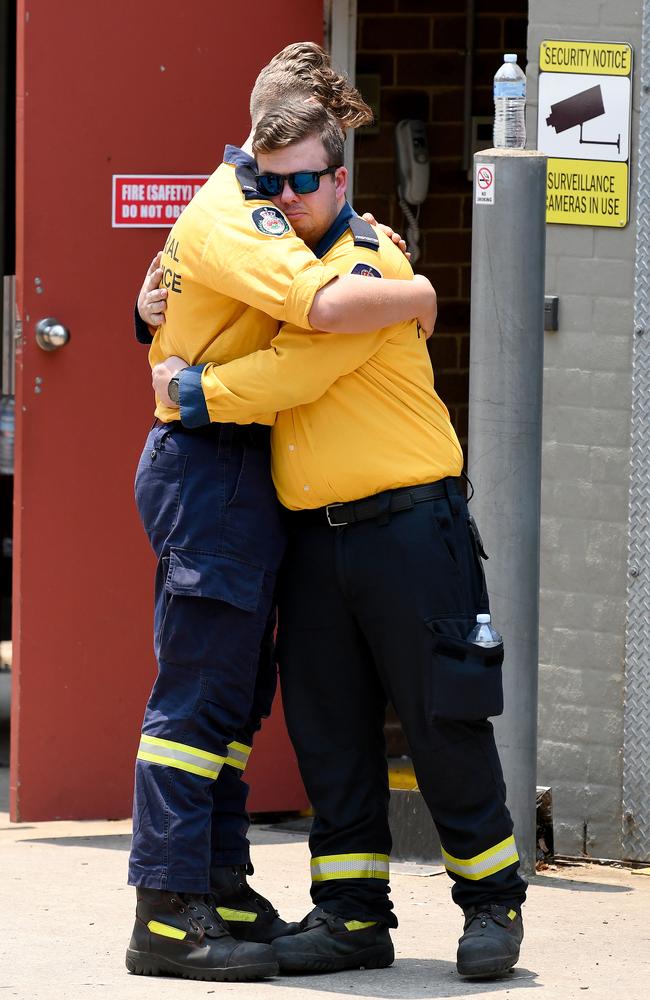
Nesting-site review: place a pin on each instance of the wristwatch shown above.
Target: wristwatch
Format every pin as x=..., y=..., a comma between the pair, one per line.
x=174, y=387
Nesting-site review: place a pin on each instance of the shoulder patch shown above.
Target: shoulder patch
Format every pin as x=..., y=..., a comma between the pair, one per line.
x=270, y=221
x=367, y=270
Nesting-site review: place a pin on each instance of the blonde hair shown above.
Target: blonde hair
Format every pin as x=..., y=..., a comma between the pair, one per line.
x=304, y=69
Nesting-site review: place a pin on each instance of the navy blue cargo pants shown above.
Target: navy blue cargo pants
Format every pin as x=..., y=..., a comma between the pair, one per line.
x=377, y=610
x=209, y=508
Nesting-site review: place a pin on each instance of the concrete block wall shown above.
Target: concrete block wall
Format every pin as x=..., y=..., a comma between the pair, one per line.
x=585, y=481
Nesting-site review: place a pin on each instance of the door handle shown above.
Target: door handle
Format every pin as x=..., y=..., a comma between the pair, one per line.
x=51, y=335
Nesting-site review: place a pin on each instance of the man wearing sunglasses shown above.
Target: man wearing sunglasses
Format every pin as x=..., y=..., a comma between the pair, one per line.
x=234, y=268
x=380, y=586
x=302, y=182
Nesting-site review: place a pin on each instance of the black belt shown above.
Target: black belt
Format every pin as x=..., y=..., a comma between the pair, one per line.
x=390, y=502
x=252, y=434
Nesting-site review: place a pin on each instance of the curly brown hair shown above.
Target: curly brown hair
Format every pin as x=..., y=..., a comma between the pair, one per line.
x=298, y=120
x=303, y=54
x=305, y=69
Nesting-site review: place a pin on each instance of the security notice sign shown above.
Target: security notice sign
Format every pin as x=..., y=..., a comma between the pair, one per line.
x=583, y=125
x=152, y=201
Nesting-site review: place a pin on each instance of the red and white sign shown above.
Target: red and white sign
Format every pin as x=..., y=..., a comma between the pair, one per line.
x=484, y=186
x=152, y=201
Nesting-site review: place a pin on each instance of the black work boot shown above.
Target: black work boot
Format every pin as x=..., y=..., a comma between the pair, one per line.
x=182, y=935
x=249, y=916
x=490, y=945
x=327, y=943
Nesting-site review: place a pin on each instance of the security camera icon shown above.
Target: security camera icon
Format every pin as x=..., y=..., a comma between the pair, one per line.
x=576, y=110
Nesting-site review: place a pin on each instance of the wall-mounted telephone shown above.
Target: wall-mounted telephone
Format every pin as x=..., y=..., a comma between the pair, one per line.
x=412, y=160
x=413, y=175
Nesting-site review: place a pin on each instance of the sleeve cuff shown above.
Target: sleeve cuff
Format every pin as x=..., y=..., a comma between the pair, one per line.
x=142, y=334
x=301, y=294
x=194, y=411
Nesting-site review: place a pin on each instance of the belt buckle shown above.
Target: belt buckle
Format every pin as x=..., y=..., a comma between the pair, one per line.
x=330, y=507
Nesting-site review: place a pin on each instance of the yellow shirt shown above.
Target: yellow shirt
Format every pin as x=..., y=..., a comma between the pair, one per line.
x=358, y=415
x=233, y=267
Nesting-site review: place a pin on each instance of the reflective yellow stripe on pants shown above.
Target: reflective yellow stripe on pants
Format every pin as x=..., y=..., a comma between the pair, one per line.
x=179, y=755
x=496, y=858
x=238, y=754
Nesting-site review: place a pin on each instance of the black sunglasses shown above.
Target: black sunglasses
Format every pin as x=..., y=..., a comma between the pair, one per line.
x=302, y=182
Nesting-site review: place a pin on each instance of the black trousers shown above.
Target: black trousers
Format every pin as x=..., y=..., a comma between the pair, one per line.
x=380, y=610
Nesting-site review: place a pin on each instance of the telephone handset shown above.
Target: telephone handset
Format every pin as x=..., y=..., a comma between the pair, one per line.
x=413, y=176
x=412, y=160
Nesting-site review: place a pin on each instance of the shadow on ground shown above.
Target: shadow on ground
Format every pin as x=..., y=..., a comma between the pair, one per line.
x=576, y=885
x=408, y=979
x=259, y=834
x=106, y=842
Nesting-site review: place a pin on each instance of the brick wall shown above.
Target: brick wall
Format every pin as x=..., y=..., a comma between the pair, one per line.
x=418, y=49
x=585, y=473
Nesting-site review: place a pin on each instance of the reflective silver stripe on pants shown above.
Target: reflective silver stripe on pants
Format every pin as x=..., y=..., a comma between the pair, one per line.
x=358, y=865
x=495, y=859
x=238, y=754
x=179, y=755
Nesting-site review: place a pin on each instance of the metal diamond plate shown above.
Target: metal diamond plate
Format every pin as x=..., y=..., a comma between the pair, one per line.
x=636, y=740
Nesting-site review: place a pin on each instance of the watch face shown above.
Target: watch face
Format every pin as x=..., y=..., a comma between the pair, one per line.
x=173, y=389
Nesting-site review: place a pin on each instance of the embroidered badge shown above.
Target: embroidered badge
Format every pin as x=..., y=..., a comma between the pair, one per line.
x=270, y=221
x=366, y=270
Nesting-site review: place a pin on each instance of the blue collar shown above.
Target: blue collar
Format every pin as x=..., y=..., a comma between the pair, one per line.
x=237, y=156
x=335, y=231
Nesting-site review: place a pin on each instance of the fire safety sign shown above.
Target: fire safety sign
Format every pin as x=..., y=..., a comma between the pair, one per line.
x=152, y=201
x=583, y=125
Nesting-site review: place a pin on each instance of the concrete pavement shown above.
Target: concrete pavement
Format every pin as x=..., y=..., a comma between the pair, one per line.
x=67, y=914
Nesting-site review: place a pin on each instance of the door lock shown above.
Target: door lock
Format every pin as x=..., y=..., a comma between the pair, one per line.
x=51, y=335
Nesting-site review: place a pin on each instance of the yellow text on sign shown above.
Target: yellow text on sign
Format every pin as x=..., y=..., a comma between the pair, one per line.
x=609, y=58
x=586, y=192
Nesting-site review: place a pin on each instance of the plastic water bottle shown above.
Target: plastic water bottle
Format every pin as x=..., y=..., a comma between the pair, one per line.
x=510, y=105
x=484, y=633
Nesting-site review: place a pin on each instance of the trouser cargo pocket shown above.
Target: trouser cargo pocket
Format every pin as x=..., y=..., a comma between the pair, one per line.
x=466, y=678
x=213, y=604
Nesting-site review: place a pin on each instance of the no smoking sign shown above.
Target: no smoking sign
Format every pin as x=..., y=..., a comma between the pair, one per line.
x=484, y=186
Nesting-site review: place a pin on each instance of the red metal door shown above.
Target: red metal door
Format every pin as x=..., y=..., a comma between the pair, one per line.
x=103, y=89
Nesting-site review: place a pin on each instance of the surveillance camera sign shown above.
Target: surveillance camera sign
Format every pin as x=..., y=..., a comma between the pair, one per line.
x=585, y=117
x=583, y=125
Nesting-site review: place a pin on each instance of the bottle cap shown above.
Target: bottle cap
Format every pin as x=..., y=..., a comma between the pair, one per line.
x=483, y=619
x=510, y=57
